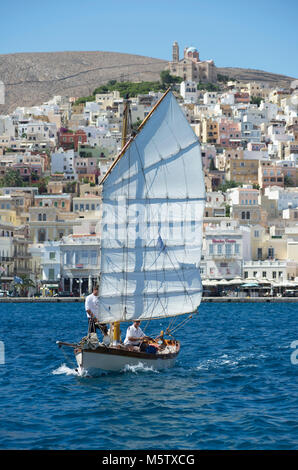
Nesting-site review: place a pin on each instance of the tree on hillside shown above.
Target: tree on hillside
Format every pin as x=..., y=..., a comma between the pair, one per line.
x=255, y=100
x=212, y=165
x=207, y=87
x=227, y=185
x=167, y=79
x=12, y=178
x=288, y=181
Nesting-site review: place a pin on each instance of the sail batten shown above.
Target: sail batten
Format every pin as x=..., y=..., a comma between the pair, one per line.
x=153, y=202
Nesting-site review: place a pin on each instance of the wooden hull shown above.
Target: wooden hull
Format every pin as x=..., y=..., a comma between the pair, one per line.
x=114, y=359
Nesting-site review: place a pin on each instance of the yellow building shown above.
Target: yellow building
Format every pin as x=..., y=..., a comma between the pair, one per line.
x=264, y=246
x=49, y=224
x=242, y=170
x=209, y=131
x=10, y=217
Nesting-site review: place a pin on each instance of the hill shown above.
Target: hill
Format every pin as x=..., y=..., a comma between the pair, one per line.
x=273, y=79
x=32, y=78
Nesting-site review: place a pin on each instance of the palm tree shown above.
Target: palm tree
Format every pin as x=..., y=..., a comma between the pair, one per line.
x=23, y=284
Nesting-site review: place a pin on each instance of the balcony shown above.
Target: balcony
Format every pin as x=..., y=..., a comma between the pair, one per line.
x=6, y=259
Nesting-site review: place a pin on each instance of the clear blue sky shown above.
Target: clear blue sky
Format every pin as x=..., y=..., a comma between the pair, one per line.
x=259, y=34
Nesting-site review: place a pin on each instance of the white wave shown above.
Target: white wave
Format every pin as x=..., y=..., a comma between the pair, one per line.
x=64, y=369
x=140, y=367
x=225, y=361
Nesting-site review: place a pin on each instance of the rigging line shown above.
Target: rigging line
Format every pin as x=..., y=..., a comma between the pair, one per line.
x=127, y=220
x=181, y=324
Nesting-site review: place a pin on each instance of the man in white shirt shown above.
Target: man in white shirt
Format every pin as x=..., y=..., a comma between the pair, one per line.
x=91, y=307
x=134, y=334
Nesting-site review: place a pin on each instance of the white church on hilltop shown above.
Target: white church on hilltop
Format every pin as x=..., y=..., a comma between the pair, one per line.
x=190, y=67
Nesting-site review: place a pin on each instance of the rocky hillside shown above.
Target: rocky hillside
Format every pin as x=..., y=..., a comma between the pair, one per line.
x=32, y=78
x=272, y=79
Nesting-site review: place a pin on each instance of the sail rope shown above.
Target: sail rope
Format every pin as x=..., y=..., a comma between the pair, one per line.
x=67, y=357
x=171, y=331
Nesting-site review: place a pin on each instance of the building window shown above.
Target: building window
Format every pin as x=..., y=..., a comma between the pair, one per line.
x=264, y=274
x=245, y=274
x=52, y=255
x=228, y=249
x=270, y=252
x=210, y=249
x=51, y=274
x=274, y=274
x=44, y=217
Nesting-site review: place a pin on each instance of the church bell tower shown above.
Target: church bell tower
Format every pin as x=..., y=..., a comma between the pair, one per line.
x=175, y=52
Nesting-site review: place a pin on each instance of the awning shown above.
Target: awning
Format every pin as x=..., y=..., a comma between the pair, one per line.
x=250, y=284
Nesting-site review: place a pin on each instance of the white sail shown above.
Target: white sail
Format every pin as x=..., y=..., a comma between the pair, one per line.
x=153, y=202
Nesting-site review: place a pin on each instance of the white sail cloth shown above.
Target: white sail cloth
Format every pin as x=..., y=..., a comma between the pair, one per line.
x=153, y=202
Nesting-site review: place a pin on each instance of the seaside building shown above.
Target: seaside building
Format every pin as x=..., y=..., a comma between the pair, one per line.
x=225, y=248
x=80, y=258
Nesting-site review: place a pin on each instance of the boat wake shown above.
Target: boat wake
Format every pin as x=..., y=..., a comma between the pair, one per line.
x=140, y=367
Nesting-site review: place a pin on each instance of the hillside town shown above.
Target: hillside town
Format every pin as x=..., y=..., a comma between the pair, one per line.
x=54, y=155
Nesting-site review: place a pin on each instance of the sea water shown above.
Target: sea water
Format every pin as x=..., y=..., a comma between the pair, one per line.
x=234, y=385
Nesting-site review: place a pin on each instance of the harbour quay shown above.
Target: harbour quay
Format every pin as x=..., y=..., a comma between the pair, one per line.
x=204, y=299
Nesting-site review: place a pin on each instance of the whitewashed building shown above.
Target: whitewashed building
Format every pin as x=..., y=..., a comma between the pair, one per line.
x=188, y=91
x=225, y=248
x=63, y=162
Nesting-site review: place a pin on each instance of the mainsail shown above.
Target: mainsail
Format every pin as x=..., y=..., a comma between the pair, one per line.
x=152, y=213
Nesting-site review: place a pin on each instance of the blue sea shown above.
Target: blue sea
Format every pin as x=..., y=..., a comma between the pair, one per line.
x=233, y=387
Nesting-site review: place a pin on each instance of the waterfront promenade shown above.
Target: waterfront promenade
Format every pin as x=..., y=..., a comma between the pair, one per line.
x=204, y=299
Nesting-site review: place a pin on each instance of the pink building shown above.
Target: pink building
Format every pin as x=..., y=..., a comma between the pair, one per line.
x=241, y=97
x=255, y=146
x=270, y=175
x=85, y=165
x=229, y=133
x=208, y=153
x=28, y=170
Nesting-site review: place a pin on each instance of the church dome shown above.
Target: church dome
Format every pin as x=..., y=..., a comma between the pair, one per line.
x=191, y=49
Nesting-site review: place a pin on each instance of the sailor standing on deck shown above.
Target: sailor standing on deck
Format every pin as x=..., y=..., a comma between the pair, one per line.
x=91, y=307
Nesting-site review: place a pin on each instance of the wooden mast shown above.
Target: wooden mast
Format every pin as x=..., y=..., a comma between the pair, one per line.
x=128, y=142
x=126, y=129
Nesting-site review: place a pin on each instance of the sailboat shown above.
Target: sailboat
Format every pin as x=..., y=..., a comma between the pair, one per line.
x=153, y=199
